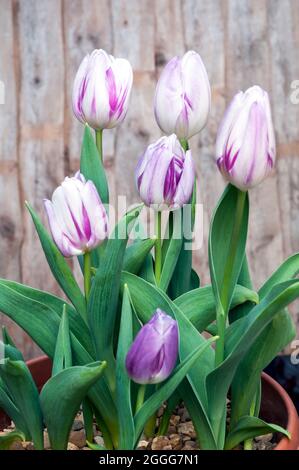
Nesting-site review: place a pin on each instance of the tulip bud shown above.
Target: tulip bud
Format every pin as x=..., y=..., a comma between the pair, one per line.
x=165, y=174
x=102, y=89
x=153, y=354
x=77, y=218
x=183, y=96
x=245, y=148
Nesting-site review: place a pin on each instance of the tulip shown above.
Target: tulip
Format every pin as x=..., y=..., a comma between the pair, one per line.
x=77, y=218
x=245, y=148
x=165, y=174
x=153, y=354
x=102, y=89
x=183, y=96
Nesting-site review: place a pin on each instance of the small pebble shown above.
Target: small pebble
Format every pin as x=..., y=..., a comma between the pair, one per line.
x=99, y=441
x=142, y=445
x=72, y=446
x=159, y=443
x=265, y=438
x=77, y=425
x=78, y=438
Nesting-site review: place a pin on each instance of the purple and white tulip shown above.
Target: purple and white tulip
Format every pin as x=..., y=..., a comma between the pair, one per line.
x=245, y=148
x=77, y=218
x=153, y=354
x=165, y=174
x=183, y=96
x=102, y=90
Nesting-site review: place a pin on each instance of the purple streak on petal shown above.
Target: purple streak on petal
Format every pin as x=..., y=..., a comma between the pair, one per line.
x=86, y=224
x=111, y=91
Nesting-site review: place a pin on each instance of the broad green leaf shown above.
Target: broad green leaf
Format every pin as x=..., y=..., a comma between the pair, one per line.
x=93, y=446
x=227, y=242
x=240, y=335
x=8, y=439
x=244, y=280
x=59, y=267
x=61, y=398
x=12, y=411
x=22, y=389
x=63, y=350
x=136, y=254
x=103, y=300
x=11, y=352
x=167, y=388
x=88, y=418
x=123, y=382
x=42, y=323
x=147, y=271
x=288, y=270
x=249, y=427
x=7, y=339
x=91, y=166
x=199, y=304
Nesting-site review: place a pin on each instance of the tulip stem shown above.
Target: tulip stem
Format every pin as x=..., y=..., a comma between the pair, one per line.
x=158, y=247
x=140, y=397
x=99, y=143
x=87, y=274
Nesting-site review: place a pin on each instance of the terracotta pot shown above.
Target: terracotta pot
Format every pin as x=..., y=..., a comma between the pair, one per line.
x=276, y=406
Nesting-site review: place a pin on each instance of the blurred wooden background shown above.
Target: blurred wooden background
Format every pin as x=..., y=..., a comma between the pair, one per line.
x=242, y=42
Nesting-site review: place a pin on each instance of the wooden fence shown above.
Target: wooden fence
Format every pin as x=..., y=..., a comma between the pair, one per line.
x=42, y=42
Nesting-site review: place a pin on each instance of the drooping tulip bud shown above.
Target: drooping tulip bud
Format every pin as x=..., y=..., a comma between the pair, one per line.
x=165, y=174
x=77, y=217
x=154, y=352
x=183, y=96
x=102, y=90
x=245, y=148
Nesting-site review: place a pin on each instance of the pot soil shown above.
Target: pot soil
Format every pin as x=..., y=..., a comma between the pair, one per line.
x=276, y=407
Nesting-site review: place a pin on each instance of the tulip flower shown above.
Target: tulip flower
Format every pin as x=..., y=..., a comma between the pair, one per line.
x=154, y=352
x=245, y=148
x=165, y=174
x=102, y=89
x=77, y=218
x=183, y=96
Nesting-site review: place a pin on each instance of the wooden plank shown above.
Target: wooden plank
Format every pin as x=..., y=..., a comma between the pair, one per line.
x=41, y=115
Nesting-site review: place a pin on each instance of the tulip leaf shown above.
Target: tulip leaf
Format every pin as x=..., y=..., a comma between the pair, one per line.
x=123, y=382
x=173, y=250
x=23, y=391
x=10, y=438
x=12, y=411
x=227, y=242
x=88, y=418
x=147, y=271
x=59, y=267
x=240, y=335
x=168, y=387
x=91, y=165
x=136, y=254
x=249, y=427
x=63, y=350
x=40, y=319
x=61, y=398
x=7, y=339
x=103, y=300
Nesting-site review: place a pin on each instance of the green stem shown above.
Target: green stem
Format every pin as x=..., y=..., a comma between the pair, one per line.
x=248, y=442
x=87, y=274
x=158, y=247
x=99, y=143
x=140, y=397
x=184, y=144
x=223, y=304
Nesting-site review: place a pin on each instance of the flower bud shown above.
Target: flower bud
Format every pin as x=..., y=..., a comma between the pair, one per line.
x=165, y=174
x=183, y=96
x=77, y=218
x=102, y=89
x=245, y=148
x=154, y=352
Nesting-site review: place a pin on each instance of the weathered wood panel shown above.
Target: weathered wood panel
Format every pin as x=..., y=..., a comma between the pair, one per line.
x=42, y=44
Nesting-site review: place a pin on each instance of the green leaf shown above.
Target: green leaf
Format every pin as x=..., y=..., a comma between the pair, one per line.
x=88, y=418
x=136, y=254
x=288, y=270
x=12, y=411
x=24, y=393
x=102, y=305
x=63, y=351
x=123, y=382
x=8, y=439
x=244, y=280
x=147, y=271
x=59, y=267
x=199, y=304
x=173, y=251
x=249, y=427
x=7, y=339
x=166, y=389
x=227, y=242
x=240, y=335
x=61, y=398
x=91, y=165
x=93, y=446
